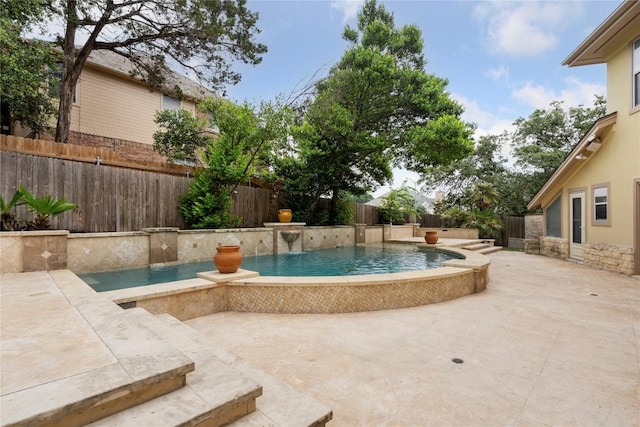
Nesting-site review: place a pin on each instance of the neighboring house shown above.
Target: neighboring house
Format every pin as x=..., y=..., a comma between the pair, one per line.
x=426, y=202
x=592, y=202
x=114, y=110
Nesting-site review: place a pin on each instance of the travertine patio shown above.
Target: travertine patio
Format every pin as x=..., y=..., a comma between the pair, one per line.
x=539, y=349
x=548, y=343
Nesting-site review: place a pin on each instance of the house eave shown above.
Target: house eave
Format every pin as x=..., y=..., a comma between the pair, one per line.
x=616, y=30
x=579, y=156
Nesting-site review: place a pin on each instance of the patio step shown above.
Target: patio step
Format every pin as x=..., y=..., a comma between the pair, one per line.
x=490, y=250
x=477, y=246
x=144, y=367
x=215, y=394
x=280, y=404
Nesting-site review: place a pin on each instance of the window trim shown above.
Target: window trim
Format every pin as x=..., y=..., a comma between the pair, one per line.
x=557, y=198
x=162, y=100
x=600, y=222
x=635, y=107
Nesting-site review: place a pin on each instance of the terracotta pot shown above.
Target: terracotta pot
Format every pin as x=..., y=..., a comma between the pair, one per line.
x=227, y=259
x=431, y=237
x=284, y=215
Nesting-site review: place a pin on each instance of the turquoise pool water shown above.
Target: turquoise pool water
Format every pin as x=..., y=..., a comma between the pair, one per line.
x=345, y=261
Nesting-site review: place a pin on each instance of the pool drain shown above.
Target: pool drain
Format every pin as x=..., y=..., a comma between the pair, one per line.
x=456, y=360
x=594, y=295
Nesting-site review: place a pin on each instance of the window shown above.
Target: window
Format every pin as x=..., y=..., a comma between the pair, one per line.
x=553, y=218
x=213, y=126
x=601, y=204
x=170, y=103
x=636, y=73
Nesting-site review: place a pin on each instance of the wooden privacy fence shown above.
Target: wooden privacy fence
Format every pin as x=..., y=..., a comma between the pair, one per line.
x=513, y=228
x=114, y=198
x=82, y=153
x=108, y=198
x=253, y=204
x=366, y=214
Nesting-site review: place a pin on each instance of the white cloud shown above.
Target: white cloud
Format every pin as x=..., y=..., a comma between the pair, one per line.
x=349, y=8
x=498, y=74
x=523, y=28
x=575, y=92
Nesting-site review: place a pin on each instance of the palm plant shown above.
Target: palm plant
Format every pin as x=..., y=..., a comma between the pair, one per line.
x=484, y=195
x=45, y=207
x=7, y=218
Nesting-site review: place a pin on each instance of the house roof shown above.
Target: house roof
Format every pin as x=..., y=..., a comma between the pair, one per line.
x=621, y=26
x=107, y=59
x=578, y=157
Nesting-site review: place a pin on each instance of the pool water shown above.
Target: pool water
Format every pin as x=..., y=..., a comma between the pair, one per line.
x=344, y=261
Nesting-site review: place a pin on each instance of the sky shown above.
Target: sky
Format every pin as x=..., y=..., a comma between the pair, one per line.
x=502, y=58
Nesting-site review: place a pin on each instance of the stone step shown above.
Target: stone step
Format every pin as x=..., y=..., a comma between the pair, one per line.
x=215, y=394
x=280, y=404
x=490, y=250
x=476, y=246
x=144, y=367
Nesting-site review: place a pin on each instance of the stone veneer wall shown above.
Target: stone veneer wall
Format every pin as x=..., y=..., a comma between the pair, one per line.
x=400, y=231
x=375, y=234
x=533, y=226
x=610, y=257
x=451, y=233
x=33, y=251
x=93, y=252
x=245, y=296
x=328, y=237
x=554, y=247
x=200, y=245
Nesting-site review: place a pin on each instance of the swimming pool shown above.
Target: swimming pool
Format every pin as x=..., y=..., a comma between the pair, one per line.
x=343, y=261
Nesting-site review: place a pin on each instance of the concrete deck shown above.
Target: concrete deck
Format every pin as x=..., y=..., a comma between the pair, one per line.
x=539, y=349
x=549, y=343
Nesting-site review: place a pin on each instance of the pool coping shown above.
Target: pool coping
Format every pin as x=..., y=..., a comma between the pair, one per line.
x=249, y=292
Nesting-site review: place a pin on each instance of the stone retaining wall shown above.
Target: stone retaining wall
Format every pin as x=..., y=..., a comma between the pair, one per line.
x=554, y=247
x=610, y=257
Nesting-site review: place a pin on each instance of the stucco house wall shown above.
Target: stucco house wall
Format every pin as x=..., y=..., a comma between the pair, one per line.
x=611, y=245
x=115, y=106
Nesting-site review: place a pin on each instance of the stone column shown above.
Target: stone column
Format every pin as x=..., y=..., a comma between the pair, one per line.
x=44, y=250
x=361, y=233
x=386, y=232
x=163, y=244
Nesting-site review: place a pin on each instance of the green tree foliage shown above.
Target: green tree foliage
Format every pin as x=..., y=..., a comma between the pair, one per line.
x=203, y=36
x=25, y=66
x=540, y=143
x=377, y=107
x=181, y=134
x=395, y=205
x=479, y=213
x=44, y=207
x=240, y=149
x=8, y=221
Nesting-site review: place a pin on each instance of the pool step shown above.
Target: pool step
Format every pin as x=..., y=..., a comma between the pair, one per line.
x=477, y=246
x=490, y=250
x=215, y=394
x=143, y=367
x=280, y=404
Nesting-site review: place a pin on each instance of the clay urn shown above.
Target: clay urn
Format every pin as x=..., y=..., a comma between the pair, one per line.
x=431, y=237
x=227, y=258
x=284, y=215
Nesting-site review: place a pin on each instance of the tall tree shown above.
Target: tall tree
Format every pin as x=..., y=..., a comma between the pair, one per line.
x=540, y=143
x=25, y=66
x=241, y=149
x=200, y=35
x=376, y=108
